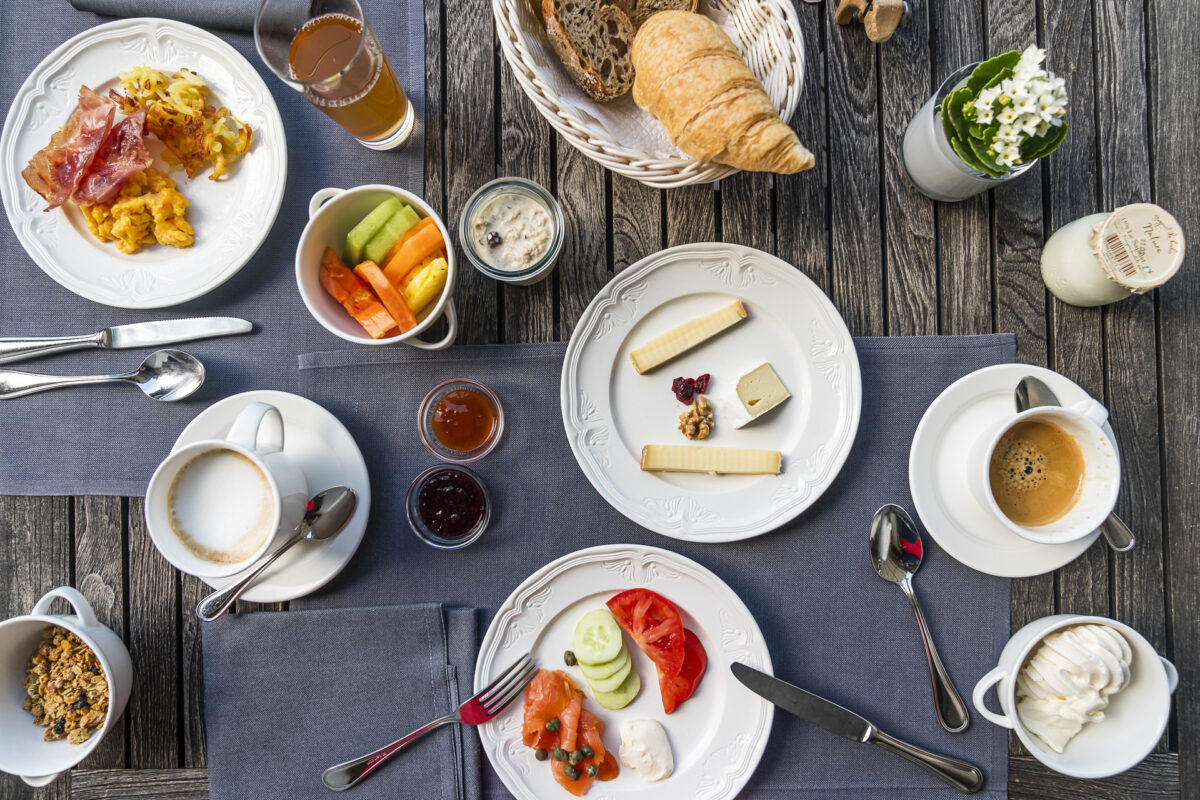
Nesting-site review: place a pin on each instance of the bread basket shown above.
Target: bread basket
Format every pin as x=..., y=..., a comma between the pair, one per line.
x=621, y=136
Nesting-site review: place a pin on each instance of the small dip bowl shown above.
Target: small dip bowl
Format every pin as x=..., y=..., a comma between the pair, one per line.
x=416, y=519
x=521, y=187
x=429, y=407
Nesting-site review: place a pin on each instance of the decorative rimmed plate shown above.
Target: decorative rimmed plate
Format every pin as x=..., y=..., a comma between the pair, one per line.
x=610, y=411
x=328, y=456
x=937, y=474
x=717, y=736
x=231, y=217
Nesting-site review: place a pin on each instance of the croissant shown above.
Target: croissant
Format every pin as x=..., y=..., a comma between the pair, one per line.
x=690, y=76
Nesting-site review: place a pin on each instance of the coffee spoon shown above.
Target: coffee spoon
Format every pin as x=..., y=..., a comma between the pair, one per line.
x=165, y=375
x=896, y=553
x=1033, y=392
x=327, y=513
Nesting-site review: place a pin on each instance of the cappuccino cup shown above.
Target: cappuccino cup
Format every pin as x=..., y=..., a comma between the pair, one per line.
x=1050, y=474
x=215, y=507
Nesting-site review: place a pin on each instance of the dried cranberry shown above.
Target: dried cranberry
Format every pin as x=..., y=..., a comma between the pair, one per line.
x=702, y=383
x=686, y=389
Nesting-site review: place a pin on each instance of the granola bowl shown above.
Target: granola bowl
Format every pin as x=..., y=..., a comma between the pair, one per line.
x=88, y=665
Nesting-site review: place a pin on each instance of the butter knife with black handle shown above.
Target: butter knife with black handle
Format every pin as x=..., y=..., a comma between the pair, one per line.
x=845, y=723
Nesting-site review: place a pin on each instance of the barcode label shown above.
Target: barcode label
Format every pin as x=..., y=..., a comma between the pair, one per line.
x=1120, y=255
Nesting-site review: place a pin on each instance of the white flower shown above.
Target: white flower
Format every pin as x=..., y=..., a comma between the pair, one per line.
x=1042, y=128
x=1047, y=107
x=1031, y=57
x=983, y=117
x=1007, y=115
x=1008, y=154
x=1025, y=106
x=1030, y=123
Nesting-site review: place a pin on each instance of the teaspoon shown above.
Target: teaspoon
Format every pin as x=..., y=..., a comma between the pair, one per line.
x=327, y=513
x=896, y=553
x=165, y=375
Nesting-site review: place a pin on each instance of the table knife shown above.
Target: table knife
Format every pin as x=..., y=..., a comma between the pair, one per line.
x=139, y=334
x=845, y=723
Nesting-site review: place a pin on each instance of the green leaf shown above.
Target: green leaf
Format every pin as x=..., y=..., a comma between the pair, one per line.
x=982, y=152
x=1042, y=146
x=984, y=74
x=954, y=103
x=968, y=156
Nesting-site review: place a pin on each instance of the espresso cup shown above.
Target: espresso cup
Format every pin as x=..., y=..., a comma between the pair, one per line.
x=244, y=482
x=1101, y=470
x=1133, y=722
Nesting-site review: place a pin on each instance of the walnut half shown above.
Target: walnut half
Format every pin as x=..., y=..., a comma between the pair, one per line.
x=697, y=422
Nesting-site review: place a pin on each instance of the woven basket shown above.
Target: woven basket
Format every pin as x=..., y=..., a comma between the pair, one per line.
x=618, y=134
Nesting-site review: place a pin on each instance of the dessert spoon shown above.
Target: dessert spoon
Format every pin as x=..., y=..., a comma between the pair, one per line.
x=165, y=375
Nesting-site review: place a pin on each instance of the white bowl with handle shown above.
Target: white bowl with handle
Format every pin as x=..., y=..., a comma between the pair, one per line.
x=332, y=212
x=22, y=750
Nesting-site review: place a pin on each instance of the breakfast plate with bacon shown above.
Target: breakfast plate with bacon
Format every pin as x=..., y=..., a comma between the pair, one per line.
x=143, y=163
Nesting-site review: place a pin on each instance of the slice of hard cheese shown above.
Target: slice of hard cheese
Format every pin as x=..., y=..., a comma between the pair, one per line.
x=683, y=458
x=679, y=340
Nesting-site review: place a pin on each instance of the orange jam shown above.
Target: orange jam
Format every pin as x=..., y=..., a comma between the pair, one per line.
x=463, y=420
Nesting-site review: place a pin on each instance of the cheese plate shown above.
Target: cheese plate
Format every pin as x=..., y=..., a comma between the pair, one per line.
x=615, y=405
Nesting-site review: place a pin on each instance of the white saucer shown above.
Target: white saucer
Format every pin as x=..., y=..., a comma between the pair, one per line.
x=937, y=474
x=328, y=456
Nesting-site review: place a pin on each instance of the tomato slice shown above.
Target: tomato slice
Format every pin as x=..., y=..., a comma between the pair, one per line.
x=654, y=624
x=679, y=688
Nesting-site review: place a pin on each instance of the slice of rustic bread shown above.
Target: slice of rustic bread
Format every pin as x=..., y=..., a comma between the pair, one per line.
x=642, y=9
x=593, y=39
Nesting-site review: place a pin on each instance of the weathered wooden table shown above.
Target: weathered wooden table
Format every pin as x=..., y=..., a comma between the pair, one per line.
x=894, y=263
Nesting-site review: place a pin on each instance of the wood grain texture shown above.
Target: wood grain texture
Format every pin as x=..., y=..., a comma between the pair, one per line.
x=1174, y=98
x=691, y=215
x=637, y=221
x=746, y=200
x=584, y=266
x=191, y=591
x=1156, y=778
x=143, y=784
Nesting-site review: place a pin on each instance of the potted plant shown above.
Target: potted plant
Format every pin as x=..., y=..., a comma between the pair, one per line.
x=987, y=123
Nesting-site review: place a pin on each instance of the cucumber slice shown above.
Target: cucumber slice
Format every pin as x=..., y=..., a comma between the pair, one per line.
x=623, y=695
x=396, y=226
x=367, y=227
x=598, y=638
x=612, y=682
x=598, y=672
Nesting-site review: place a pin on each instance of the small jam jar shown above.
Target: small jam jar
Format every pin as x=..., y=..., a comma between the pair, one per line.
x=448, y=507
x=461, y=420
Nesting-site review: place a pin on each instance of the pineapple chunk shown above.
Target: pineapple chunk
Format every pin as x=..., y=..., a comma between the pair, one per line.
x=425, y=283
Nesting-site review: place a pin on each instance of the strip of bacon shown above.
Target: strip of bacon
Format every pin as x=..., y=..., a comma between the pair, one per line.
x=123, y=155
x=55, y=170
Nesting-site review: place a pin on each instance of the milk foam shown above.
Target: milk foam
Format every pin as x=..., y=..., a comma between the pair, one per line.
x=221, y=507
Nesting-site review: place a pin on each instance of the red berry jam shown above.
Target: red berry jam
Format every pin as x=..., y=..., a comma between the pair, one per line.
x=451, y=503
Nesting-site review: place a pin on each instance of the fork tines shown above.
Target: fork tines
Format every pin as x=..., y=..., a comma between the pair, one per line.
x=502, y=691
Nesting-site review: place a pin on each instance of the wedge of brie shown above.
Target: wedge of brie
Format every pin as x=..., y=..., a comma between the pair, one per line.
x=757, y=392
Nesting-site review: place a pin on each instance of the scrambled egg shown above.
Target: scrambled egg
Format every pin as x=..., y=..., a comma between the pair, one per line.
x=147, y=209
x=178, y=115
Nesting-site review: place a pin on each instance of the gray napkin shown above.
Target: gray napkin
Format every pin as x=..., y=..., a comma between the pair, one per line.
x=832, y=625
x=288, y=694
x=66, y=442
x=233, y=15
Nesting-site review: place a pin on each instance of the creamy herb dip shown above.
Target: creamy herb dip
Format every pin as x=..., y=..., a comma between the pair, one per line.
x=511, y=231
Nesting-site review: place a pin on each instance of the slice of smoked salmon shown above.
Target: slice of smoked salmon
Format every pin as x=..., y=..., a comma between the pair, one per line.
x=546, y=697
x=609, y=769
x=591, y=728
x=576, y=787
x=568, y=734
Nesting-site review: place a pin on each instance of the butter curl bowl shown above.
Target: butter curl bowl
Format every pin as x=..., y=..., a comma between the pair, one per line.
x=22, y=750
x=332, y=212
x=1133, y=722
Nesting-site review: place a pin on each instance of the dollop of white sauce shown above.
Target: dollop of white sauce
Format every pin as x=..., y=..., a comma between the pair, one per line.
x=1069, y=679
x=524, y=229
x=645, y=749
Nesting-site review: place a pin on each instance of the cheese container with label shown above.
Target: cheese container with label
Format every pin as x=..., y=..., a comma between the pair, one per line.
x=1106, y=257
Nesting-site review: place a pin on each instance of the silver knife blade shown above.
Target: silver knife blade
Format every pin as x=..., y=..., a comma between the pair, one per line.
x=806, y=705
x=152, y=334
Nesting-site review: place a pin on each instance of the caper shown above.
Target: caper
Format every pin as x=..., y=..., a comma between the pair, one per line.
x=592, y=770
x=570, y=658
x=553, y=725
x=540, y=754
x=588, y=752
x=575, y=757
x=571, y=773
x=558, y=753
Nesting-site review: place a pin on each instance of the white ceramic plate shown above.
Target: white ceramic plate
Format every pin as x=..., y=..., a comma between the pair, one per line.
x=937, y=474
x=717, y=736
x=610, y=411
x=231, y=216
x=328, y=456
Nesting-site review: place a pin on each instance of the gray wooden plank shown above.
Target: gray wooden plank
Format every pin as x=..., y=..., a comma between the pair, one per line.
x=637, y=221
x=745, y=199
x=525, y=138
x=36, y=557
x=802, y=201
x=100, y=575
x=856, y=252
x=470, y=148
x=435, y=107
x=691, y=214
x=1156, y=778
x=191, y=591
x=963, y=246
x=153, y=639
x=583, y=267
x=908, y=224
x=1130, y=327
x=142, y=784
x=1174, y=98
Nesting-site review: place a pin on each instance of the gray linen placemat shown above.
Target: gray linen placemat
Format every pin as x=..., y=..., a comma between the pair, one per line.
x=69, y=441
x=832, y=625
x=288, y=694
